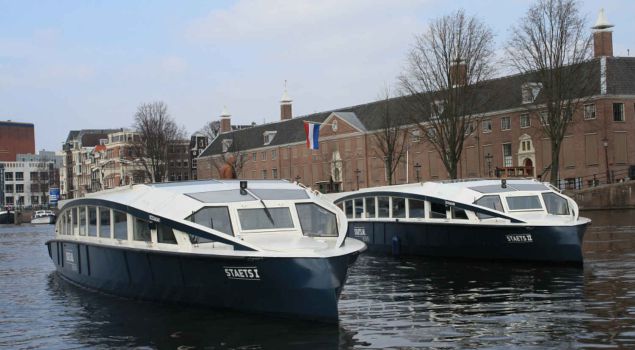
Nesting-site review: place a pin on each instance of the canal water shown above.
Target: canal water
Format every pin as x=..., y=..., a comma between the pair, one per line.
x=394, y=303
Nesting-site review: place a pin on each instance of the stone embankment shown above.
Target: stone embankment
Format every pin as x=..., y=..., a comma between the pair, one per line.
x=613, y=196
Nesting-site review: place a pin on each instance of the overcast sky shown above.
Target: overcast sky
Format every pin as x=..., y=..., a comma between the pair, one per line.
x=88, y=64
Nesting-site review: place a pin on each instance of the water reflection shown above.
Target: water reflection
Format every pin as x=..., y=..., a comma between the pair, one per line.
x=104, y=320
x=433, y=303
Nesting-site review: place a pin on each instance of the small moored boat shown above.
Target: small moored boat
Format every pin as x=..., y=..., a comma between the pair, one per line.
x=43, y=217
x=522, y=220
x=272, y=247
x=6, y=216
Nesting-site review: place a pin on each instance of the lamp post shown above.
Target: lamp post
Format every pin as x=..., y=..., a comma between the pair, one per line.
x=488, y=160
x=417, y=167
x=357, y=172
x=605, y=143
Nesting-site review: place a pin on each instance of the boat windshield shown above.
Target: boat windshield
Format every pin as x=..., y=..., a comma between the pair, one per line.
x=555, y=204
x=257, y=219
x=524, y=203
x=316, y=221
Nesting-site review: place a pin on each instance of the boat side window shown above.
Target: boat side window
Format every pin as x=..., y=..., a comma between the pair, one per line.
x=258, y=219
x=398, y=207
x=104, y=222
x=121, y=225
x=417, y=208
x=165, y=234
x=141, y=230
x=359, y=207
x=82, y=221
x=74, y=220
x=348, y=209
x=437, y=211
x=68, y=228
x=523, y=203
x=370, y=207
x=458, y=213
x=555, y=204
x=92, y=221
x=383, y=205
x=216, y=218
x=492, y=202
x=316, y=221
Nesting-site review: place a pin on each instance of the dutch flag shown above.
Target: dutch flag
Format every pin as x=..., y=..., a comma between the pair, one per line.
x=312, y=131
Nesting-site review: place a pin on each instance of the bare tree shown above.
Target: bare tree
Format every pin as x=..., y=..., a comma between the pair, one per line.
x=231, y=161
x=211, y=129
x=445, y=70
x=157, y=131
x=391, y=140
x=550, y=45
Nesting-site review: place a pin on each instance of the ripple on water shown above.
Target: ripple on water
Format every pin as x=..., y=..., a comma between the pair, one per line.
x=386, y=303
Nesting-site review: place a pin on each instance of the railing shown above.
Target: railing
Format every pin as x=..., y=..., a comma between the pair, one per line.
x=514, y=171
x=578, y=183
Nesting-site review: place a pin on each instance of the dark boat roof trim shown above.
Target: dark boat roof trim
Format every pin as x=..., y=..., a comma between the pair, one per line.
x=431, y=199
x=163, y=220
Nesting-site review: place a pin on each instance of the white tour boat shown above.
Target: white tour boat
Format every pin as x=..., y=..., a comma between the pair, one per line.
x=43, y=217
x=485, y=219
x=263, y=246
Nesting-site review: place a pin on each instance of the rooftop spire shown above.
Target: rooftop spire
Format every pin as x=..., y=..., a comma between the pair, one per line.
x=225, y=113
x=285, y=95
x=602, y=23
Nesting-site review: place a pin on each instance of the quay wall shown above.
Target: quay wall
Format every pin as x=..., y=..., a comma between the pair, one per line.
x=612, y=196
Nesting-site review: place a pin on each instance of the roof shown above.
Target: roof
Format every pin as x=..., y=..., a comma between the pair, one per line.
x=16, y=124
x=500, y=94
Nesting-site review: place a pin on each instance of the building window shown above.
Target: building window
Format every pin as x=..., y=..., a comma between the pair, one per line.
x=263, y=155
x=274, y=173
x=618, y=115
x=254, y=156
x=589, y=111
x=525, y=122
x=19, y=188
x=487, y=125
x=8, y=176
x=530, y=91
x=415, y=135
x=507, y=154
x=334, y=125
x=264, y=174
x=274, y=154
x=226, y=144
x=19, y=176
x=544, y=118
x=8, y=188
x=506, y=123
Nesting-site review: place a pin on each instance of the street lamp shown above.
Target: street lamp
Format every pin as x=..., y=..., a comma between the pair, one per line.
x=488, y=160
x=357, y=171
x=417, y=167
x=605, y=143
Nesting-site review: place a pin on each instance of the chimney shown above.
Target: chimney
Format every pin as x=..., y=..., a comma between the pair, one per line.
x=458, y=73
x=225, y=121
x=602, y=36
x=285, y=104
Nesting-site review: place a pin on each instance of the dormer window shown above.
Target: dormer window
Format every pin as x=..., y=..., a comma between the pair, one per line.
x=226, y=144
x=268, y=137
x=530, y=91
x=437, y=108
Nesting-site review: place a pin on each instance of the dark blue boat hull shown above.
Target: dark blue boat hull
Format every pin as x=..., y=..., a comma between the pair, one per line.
x=558, y=244
x=305, y=288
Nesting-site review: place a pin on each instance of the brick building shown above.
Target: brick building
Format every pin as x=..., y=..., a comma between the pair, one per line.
x=15, y=138
x=507, y=140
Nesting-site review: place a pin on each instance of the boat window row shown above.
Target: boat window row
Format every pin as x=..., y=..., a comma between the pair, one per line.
x=104, y=222
x=314, y=220
x=399, y=207
x=553, y=203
